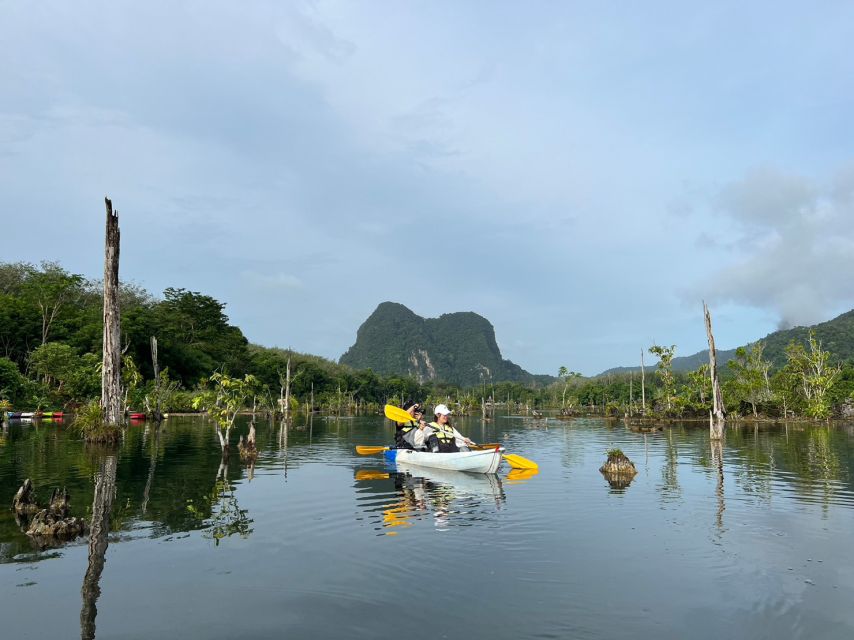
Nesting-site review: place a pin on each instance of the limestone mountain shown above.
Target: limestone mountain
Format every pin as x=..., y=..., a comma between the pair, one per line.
x=456, y=347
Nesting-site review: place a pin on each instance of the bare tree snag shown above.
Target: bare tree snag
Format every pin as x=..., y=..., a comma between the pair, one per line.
x=643, y=386
x=717, y=416
x=111, y=371
x=158, y=416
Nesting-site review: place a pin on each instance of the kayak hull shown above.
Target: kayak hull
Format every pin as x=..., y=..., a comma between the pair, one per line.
x=471, y=461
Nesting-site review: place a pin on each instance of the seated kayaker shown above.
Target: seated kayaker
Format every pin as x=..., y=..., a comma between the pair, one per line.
x=406, y=434
x=441, y=436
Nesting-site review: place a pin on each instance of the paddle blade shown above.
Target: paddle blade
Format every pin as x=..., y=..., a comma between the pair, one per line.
x=396, y=414
x=369, y=451
x=518, y=462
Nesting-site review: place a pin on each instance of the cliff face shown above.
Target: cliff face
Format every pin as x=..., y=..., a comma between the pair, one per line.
x=456, y=347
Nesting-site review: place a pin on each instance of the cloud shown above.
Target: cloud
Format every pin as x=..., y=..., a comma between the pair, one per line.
x=794, y=251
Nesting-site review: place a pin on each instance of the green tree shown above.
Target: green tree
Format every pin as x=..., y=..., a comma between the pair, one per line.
x=52, y=289
x=665, y=371
x=750, y=381
x=698, y=389
x=224, y=401
x=814, y=373
x=13, y=385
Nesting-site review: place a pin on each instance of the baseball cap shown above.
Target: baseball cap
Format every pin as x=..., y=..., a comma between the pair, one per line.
x=441, y=410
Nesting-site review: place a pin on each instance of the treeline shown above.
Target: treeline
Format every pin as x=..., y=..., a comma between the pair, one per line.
x=50, y=351
x=812, y=382
x=51, y=329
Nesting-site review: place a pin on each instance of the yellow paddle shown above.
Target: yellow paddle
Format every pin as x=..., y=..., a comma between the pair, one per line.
x=369, y=451
x=399, y=415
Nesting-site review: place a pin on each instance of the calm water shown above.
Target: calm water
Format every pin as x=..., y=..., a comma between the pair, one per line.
x=751, y=541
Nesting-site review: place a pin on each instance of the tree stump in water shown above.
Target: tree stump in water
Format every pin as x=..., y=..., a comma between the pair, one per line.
x=52, y=524
x=248, y=450
x=618, y=470
x=24, y=502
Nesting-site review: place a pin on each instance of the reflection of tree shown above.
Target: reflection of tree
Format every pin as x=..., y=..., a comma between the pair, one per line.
x=102, y=505
x=227, y=518
x=718, y=464
x=151, y=466
x=669, y=473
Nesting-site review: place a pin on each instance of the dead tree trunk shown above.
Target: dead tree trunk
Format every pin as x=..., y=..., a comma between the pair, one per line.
x=717, y=416
x=643, y=386
x=158, y=416
x=288, y=389
x=111, y=380
x=102, y=506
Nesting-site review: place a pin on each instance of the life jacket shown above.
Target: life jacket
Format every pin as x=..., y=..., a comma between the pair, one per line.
x=400, y=433
x=444, y=433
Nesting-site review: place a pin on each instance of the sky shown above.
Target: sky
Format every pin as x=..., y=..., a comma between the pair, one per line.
x=582, y=174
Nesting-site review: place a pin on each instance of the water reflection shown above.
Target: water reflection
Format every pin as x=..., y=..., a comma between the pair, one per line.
x=449, y=498
x=99, y=530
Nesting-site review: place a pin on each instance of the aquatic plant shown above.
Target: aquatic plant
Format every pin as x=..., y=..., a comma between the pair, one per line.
x=89, y=423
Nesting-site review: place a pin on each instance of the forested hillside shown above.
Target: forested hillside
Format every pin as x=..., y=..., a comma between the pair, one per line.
x=836, y=336
x=459, y=348
x=50, y=348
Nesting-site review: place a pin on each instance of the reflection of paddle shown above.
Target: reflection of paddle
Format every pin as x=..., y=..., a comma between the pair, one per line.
x=521, y=474
x=399, y=415
x=370, y=474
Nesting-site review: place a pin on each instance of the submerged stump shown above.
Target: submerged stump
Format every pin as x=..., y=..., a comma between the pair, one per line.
x=618, y=470
x=24, y=501
x=50, y=525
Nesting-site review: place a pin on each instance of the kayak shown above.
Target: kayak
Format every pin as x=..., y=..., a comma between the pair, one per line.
x=137, y=416
x=471, y=461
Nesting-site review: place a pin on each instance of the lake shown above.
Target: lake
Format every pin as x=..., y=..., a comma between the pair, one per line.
x=749, y=540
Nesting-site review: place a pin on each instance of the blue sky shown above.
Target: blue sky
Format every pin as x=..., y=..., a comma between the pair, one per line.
x=582, y=174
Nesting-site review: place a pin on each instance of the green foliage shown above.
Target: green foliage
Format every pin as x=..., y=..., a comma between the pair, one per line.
x=89, y=423
x=696, y=394
x=226, y=397
x=750, y=382
x=816, y=376
x=13, y=385
x=665, y=372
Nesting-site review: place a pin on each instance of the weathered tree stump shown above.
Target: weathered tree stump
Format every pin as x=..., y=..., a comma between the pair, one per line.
x=47, y=525
x=24, y=501
x=248, y=450
x=618, y=470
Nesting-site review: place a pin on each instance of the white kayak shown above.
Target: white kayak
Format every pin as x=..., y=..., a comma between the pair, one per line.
x=471, y=461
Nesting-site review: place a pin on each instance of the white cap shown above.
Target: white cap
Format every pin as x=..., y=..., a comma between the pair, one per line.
x=441, y=410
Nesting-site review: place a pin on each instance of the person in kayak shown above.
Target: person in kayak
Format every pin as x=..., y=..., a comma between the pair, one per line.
x=406, y=434
x=442, y=437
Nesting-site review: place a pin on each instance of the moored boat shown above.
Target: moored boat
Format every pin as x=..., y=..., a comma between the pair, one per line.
x=471, y=461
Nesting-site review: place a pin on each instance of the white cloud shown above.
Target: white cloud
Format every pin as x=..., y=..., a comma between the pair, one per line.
x=795, y=246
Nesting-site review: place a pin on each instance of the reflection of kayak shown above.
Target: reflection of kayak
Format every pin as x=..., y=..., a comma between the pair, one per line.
x=463, y=484
x=472, y=461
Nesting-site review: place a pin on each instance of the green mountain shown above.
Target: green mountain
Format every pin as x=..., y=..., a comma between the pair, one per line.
x=456, y=347
x=836, y=336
